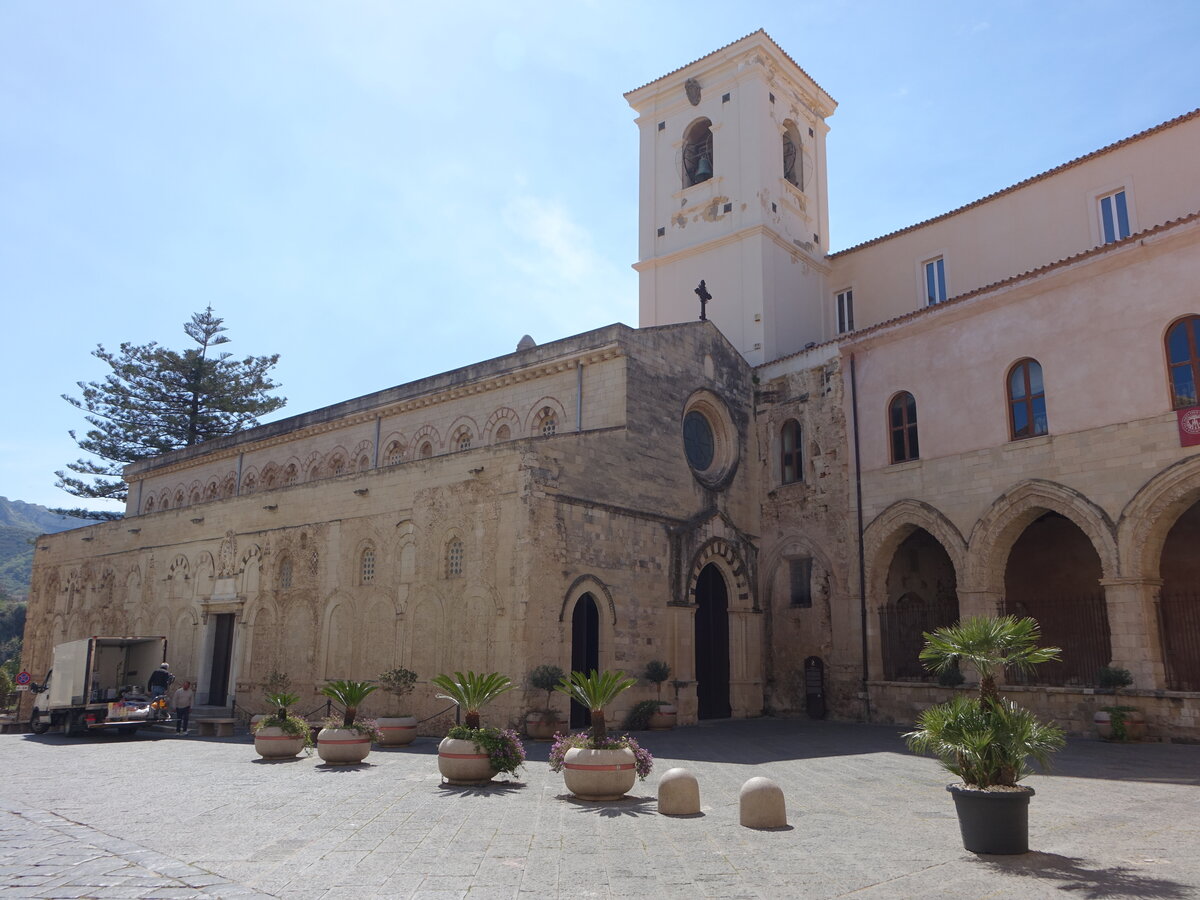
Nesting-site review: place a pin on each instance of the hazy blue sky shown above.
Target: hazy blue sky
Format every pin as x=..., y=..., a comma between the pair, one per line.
x=383, y=191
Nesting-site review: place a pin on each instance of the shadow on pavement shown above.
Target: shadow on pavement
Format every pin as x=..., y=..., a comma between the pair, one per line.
x=1078, y=879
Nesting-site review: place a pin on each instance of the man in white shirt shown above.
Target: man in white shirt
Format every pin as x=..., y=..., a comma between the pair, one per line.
x=182, y=701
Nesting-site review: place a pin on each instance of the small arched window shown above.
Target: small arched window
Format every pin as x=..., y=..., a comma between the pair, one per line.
x=503, y=433
x=195, y=498
x=337, y=466
x=698, y=159
x=210, y=492
x=249, y=484
x=395, y=453
x=366, y=566
x=150, y=505
x=285, y=573
x=179, y=498
x=426, y=450
x=290, y=474
x=790, y=456
x=547, y=422
x=1183, y=361
x=463, y=440
x=793, y=163
x=364, y=463
x=902, y=423
x=454, y=558
x=1026, y=400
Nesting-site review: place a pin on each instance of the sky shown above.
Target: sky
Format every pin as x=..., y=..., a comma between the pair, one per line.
x=381, y=191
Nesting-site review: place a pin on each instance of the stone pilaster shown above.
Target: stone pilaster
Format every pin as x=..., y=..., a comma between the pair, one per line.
x=1133, y=622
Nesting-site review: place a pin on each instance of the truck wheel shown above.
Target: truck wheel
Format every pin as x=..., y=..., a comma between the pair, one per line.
x=71, y=726
x=36, y=725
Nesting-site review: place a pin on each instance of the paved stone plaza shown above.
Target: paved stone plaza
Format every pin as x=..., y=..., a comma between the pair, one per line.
x=176, y=818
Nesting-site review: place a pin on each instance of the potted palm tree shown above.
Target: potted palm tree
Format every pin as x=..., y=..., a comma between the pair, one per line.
x=279, y=734
x=595, y=764
x=348, y=741
x=987, y=740
x=541, y=724
x=663, y=718
x=470, y=753
x=401, y=730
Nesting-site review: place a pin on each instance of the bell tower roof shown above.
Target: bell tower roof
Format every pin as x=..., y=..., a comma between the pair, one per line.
x=639, y=95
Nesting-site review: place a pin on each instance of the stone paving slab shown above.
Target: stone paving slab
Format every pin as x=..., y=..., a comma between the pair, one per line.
x=170, y=817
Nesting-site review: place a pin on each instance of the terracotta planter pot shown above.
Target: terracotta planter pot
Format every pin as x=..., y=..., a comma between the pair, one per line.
x=540, y=726
x=663, y=719
x=342, y=746
x=274, y=743
x=1135, y=725
x=397, y=731
x=460, y=763
x=599, y=774
x=993, y=821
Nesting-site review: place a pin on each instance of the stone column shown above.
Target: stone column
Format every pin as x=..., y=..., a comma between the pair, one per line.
x=1133, y=623
x=681, y=625
x=745, y=662
x=985, y=603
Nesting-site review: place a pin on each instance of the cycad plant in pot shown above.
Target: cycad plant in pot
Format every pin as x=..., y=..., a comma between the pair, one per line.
x=987, y=740
x=347, y=741
x=401, y=730
x=280, y=734
x=595, y=764
x=663, y=718
x=471, y=753
x=541, y=724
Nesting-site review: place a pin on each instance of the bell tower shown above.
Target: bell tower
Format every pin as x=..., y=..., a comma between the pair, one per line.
x=732, y=192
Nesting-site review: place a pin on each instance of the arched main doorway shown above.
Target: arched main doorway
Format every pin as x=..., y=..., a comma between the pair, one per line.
x=585, y=650
x=712, y=644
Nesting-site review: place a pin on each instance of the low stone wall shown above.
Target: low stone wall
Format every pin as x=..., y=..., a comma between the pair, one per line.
x=1170, y=715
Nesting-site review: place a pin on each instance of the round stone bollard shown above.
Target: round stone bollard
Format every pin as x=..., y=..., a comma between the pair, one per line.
x=761, y=802
x=678, y=793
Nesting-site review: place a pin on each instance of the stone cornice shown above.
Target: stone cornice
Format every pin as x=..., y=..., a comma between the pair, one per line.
x=819, y=263
x=422, y=400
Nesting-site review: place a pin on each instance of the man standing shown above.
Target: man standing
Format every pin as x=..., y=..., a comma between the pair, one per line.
x=159, y=681
x=182, y=701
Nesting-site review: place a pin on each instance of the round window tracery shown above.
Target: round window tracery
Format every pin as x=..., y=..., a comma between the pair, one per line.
x=710, y=443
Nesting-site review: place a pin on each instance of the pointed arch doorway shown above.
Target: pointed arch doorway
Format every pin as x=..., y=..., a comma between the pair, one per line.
x=585, y=650
x=712, y=644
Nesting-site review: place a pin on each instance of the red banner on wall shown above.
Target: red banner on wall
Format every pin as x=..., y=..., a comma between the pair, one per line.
x=1189, y=426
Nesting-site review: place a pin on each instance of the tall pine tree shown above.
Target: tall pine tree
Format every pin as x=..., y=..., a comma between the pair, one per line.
x=155, y=400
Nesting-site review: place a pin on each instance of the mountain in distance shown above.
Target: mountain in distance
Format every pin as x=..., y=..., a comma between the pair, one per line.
x=20, y=525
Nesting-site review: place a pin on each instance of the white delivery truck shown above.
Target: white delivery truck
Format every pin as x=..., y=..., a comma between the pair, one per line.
x=98, y=683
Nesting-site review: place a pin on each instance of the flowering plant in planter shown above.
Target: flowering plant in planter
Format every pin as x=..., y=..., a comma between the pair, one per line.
x=284, y=720
x=503, y=747
x=594, y=765
x=644, y=761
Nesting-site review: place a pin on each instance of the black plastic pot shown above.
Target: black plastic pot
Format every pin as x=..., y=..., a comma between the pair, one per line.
x=993, y=821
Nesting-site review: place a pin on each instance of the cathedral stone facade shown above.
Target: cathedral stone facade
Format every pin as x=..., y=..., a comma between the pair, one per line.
x=992, y=411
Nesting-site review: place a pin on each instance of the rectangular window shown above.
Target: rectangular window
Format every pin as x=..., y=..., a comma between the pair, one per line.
x=845, y=311
x=800, y=581
x=935, y=281
x=1114, y=217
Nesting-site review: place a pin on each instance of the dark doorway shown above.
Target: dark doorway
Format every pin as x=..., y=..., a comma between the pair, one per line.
x=222, y=655
x=712, y=645
x=922, y=595
x=585, y=650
